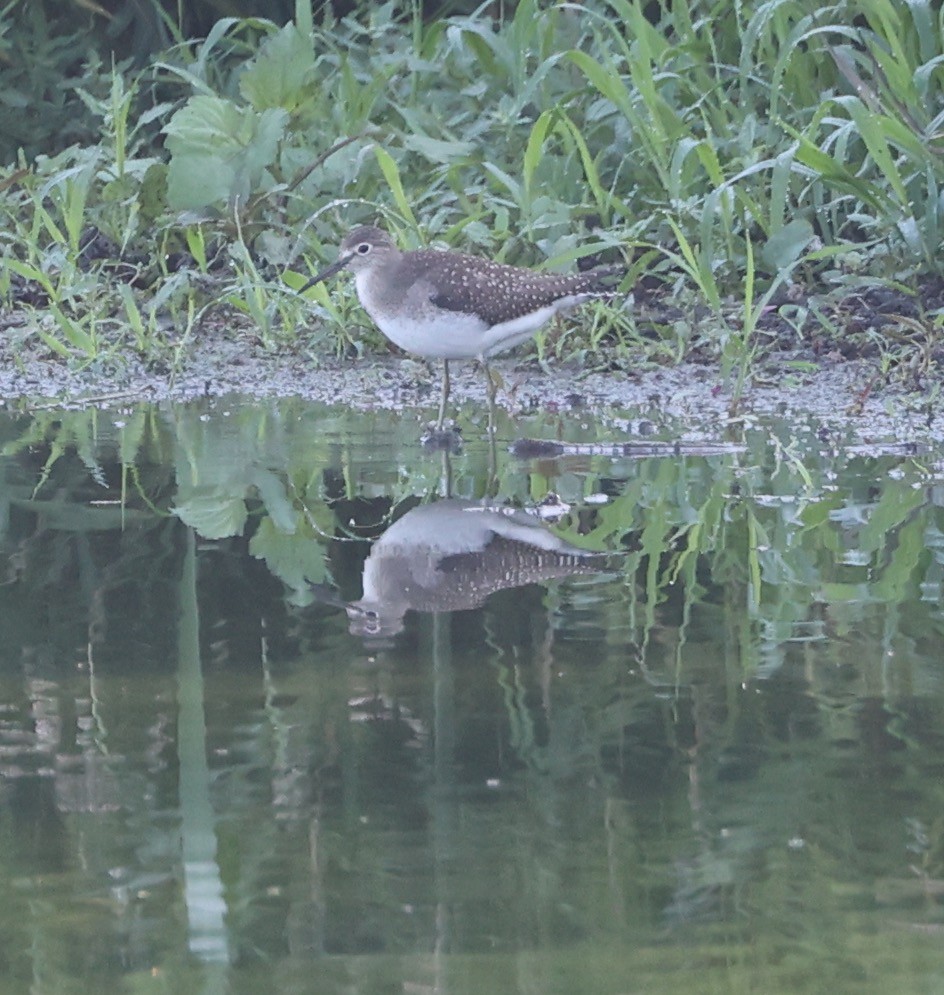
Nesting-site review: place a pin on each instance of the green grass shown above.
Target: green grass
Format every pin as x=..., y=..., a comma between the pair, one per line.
x=728, y=154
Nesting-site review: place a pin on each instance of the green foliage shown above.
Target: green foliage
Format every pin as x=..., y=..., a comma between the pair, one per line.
x=736, y=151
x=41, y=62
x=219, y=152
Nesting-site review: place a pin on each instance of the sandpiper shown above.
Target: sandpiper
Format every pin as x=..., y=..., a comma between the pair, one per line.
x=450, y=555
x=449, y=305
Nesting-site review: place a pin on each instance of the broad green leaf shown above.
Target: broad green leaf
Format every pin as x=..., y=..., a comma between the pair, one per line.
x=195, y=181
x=208, y=123
x=281, y=74
x=219, y=151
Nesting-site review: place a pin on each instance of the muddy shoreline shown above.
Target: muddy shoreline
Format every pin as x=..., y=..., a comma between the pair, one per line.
x=845, y=394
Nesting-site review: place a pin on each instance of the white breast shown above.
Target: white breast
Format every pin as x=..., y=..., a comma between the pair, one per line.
x=435, y=336
x=416, y=326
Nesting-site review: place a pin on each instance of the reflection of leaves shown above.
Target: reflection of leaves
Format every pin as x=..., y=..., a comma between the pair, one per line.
x=132, y=435
x=817, y=513
x=220, y=510
x=92, y=436
x=896, y=503
x=62, y=432
x=272, y=491
x=296, y=558
x=218, y=471
x=899, y=572
x=213, y=514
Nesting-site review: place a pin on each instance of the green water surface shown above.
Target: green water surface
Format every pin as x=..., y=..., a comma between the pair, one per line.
x=693, y=744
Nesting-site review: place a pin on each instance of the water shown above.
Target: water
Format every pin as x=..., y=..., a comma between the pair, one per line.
x=272, y=719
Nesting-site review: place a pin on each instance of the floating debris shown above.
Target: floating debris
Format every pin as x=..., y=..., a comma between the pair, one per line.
x=543, y=449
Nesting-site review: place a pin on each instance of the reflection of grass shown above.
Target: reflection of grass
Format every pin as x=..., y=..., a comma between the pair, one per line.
x=676, y=826
x=835, y=956
x=764, y=528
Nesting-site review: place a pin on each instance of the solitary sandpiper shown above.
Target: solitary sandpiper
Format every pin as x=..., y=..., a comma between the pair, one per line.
x=449, y=305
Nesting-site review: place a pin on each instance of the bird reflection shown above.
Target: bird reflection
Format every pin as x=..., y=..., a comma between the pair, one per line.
x=450, y=555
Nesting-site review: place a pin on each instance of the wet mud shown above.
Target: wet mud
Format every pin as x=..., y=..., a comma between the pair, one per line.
x=855, y=394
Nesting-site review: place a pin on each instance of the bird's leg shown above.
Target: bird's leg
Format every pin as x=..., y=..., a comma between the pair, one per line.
x=492, y=389
x=492, y=451
x=445, y=481
x=444, y=397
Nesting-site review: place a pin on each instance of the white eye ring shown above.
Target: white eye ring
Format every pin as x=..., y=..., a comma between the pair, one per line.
x=363, y=249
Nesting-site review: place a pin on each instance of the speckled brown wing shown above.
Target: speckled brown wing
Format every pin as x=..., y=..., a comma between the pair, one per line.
x=497, y=293
x=464, y=580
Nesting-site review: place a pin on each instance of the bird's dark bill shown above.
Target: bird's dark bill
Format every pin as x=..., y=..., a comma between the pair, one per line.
x=335, y=267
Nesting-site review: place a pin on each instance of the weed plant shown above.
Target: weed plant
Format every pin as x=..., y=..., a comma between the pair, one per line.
x=762, y=161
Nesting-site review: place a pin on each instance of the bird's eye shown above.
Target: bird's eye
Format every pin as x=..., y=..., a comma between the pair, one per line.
x=363, y=248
